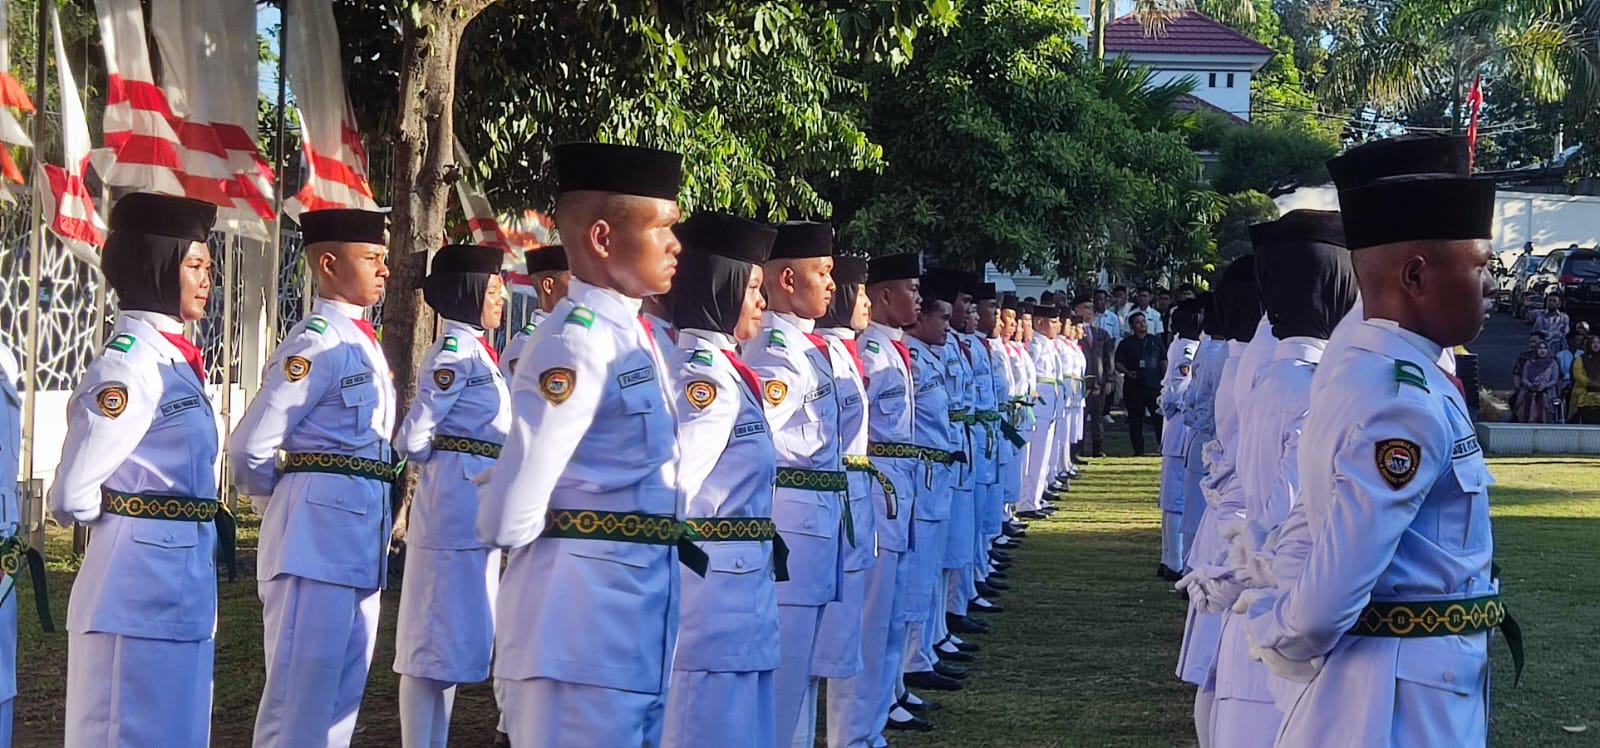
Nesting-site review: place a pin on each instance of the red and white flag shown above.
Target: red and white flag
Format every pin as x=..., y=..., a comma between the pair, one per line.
x=12, y=96
x=142, y=148
x=200, y=76
x=335, y=161
x=68, y=206
x=480, y=215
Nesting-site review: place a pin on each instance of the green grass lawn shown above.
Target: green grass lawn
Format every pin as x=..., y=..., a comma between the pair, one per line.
x=1083, y=655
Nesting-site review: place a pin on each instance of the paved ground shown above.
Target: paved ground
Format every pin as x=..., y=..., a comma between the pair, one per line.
x=1503, y=339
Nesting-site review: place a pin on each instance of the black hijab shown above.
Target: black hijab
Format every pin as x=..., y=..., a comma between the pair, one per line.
x=1186, y=316
x=1239, y=300
x=150, y=235
x=1211, y=321
x=459, y=282
x=1309, y=273
x=719, y=250
x=849, y=275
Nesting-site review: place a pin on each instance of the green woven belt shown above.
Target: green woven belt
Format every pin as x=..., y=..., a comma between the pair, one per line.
x=735, y=529
x=467, y=446
x=1043, y=380
x=813, y=480
x=158, y=506
x=860, y=463
x=625, y=527
x=323, y=462
x=988, y=416
x=14, y=555
x=960, y=416
x=1432, y=618
x=941, y=456
x=895, y=450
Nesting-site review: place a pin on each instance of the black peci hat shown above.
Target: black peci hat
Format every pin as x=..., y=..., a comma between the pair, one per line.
x=1417, y=208
x=546, y=259
x=164, y=215
x=894, y=267
x=1392, y=157
x=467, y=258
x=620, y=169
x=1010, y=301
x=849, y=270
x=1300, y=226
x=727, y=235
x=802, y=239
x=346, y=225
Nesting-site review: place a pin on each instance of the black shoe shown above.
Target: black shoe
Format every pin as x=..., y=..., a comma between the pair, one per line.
x=928, y=680
x=955, y=672
x=956, y=656
x=994, y=581
x=992, y=607
x=1000, y=556
x=1059, y=486
x=1168, y=573
x=986, y=590
x=1013, y=534
x=501, y=740
x=1074, y=475
x=915, y=724
x=964, y=625
x=1099, y=454
x=1078, y=460
x=1013, y=525
x=1049, y=511
x=968, y=646
x=927, y=705
x=1030, y=514
x=999, y=566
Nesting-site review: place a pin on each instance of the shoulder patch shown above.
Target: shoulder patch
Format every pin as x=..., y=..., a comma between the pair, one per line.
x=444, y=378
x=556, y=384
x=702, y=356
x=581, y=315
x=775, y=391
x=123, y=342
x=914, y=355
x=112, y=400
x=1398, y=460
x=296, y=368
x=700, y=393
x=317, y=324
x=1406, y=372
x=528, y=328
x=872, y=346
x=776, y=338
x=450, y=343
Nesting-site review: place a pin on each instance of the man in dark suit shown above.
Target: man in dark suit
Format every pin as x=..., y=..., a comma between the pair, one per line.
x=1097, y=344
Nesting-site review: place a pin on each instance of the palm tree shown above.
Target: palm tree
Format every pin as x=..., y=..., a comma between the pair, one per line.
x=1414, y=51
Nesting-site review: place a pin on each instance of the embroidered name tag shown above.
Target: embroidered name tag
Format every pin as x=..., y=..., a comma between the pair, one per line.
x=356, y=380
x=933, y=383
x=637, y=376
x=893, y=392
x=1465, y=447
x=485, y=379
x=852, y=401
x=820, y=392
x=749, y=429
x=178, y=406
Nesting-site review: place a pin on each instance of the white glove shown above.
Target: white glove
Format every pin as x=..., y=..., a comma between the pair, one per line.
x=1257, y=572
x=1197, y=582
x=1248, y=538
x=1285, y=668
x=1221, y=591
x=1250, y=598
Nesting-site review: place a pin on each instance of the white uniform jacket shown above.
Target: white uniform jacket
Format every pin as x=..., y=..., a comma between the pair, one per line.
x=1395, y=492
x=516, y=347
x=960, y=387
x=932, y=427
x=592, y=430
x=729, y=619
x=140, y=423
x=326, y=390
x=1178, y=378
x=456, y=424
x=1047, y=377
x=985, y=409
x=852, y=388
x=890, y=410
x=802, y=405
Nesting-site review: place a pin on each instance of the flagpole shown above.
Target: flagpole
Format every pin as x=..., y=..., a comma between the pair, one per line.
x=274, y=282
x=35, y=500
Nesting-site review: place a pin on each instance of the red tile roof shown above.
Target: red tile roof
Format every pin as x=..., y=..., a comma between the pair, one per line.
x=1191, y=103
x=1188, y=32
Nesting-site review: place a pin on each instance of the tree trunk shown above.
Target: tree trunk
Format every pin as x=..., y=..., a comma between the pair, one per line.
x=422, y=172
x=1097, y=20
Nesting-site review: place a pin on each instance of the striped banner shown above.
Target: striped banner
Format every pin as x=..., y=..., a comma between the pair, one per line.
x=142, y=149
x=335, y=160
x=68, y=206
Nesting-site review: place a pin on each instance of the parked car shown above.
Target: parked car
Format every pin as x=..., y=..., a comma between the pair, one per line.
x=1506, y=268
x=1574, y=274
x=1517, y=282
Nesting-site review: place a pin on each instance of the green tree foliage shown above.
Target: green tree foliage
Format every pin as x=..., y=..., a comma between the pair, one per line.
x=1272, y=159
x=1241, y=211
x=1004, y=143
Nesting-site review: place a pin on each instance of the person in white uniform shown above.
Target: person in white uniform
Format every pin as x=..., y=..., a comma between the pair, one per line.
x=1312, y=286
x=1041, y=440
x=951, y=593
x=1175, y=435
x=326, y=399
x=1199, y=421
x=585, y=494
x=860, y=706
x=139, y=468
x=839, y=648
x=14, y=550
x=454, y=430
x=1389, y=618
x=548, y=270
x=721, y=691
x=802, y=405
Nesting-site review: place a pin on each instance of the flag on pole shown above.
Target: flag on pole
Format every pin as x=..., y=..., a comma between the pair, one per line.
x=67, y=204
x=12, y=96
x=480, y=215
x=142, y=148
x=1475, y=105
x=335, y=161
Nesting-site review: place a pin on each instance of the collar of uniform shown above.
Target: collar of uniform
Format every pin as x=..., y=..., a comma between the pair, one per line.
x=656, y=323
x=161, y=322
x=1433, y=351
x=1300, y=348
x=1236, y=348
x=610, y=304
x=718, y=340
x=842, y=333
x=452, y=327
x=892, y=333
x=803, y=325
x=342, y=308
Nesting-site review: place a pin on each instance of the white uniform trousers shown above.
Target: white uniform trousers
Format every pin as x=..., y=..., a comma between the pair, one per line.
x=797, y=643
x=957, y=565
x=1037, y=474
x=858, y=705
x=927, y=628
x=1243, y=713
x=545, y=713
x=319, y=639
x=445, y=628
x=838, y=650
x=8, y=664
x=1194, y=502
x=128, y=691
x=719, y=709
x=1065, y=438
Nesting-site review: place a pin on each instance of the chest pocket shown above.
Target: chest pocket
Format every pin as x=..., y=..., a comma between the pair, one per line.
x=360, y=399
x=643, y=403
x=1457, y=511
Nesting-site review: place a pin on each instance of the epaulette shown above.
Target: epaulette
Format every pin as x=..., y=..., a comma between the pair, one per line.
x=776, y=338
x=450, y=343
x=1406, y=372
x=123, y=342
x=317, y=324
x=581, y=315
x=528, y=328
x=701, y=357
x=872, y=346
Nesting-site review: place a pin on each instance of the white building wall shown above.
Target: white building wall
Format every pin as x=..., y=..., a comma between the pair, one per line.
x=1549, y=221
x=1211, y=86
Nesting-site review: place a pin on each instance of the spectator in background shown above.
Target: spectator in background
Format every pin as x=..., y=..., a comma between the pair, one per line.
x=1553, y=322
x=1152, y=318
x=1535, y=339
x=1163, y=307
x=1565, y=357
x=1586, y=384
x=1141, y=359
x=1185, y=292
x=1538, y=388
x=1109, y=320
x=1105, y=317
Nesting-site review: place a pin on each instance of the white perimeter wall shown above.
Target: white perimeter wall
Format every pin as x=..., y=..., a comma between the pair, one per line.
x=1549, y=221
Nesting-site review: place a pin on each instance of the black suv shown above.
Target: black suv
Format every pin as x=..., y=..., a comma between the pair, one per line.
x=1574, y=274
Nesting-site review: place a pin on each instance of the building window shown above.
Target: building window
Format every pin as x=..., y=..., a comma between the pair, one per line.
x=1212, y=82
x=1230, y=80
